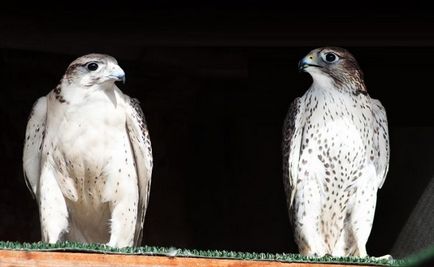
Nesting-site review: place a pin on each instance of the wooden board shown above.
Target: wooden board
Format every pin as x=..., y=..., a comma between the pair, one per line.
x=9, y=258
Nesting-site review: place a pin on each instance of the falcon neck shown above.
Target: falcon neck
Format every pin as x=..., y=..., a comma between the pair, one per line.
x=322, y=82
x=328, y=84
x=74, y=93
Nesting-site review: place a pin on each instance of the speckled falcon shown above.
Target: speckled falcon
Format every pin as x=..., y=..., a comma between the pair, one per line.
x=87, y=157
x=335, y=156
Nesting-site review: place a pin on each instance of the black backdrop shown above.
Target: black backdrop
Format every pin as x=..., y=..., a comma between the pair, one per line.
x=215, y=83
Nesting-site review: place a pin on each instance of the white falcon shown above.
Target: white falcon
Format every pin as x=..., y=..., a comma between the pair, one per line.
x=335, y=157
x=87, y=157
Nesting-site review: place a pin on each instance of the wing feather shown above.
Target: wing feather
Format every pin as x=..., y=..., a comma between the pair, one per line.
x=291, y=144
x=35, y=133
x=381, y=141
x=141, y=143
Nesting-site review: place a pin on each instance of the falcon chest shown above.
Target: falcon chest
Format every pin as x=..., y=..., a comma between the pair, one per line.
x=90, y=139
x=335, y=137
x=91, y=128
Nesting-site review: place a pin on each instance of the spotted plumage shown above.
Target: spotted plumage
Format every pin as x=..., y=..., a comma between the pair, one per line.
x=335, y=156
x=87, y=157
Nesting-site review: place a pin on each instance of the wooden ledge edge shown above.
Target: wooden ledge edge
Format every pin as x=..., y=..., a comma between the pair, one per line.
x=9, y=258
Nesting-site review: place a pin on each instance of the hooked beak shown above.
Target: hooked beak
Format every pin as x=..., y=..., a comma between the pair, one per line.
x=118, y=74
x=308, y=61
x=122, y=79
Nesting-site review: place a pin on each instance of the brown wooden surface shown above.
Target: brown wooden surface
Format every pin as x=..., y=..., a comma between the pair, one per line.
x=65, y=259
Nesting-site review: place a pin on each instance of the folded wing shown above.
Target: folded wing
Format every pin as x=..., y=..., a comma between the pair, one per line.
x=141, y=143
x=35, y=133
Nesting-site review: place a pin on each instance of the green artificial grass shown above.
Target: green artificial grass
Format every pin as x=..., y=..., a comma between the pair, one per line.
x=423, y=258
x=175, y=252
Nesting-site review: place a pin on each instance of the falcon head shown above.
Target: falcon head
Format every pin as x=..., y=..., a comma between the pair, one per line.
x=94, y=69
x=333, y=64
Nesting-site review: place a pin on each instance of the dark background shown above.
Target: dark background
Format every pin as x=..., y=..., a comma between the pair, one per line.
x=215, y=82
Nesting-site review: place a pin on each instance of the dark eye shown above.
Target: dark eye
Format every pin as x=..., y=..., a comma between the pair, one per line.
x=330, y=57
x=92, y=66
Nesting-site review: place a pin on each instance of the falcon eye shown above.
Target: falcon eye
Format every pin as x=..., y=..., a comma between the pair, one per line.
x=92, y=66
x=330, y=57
